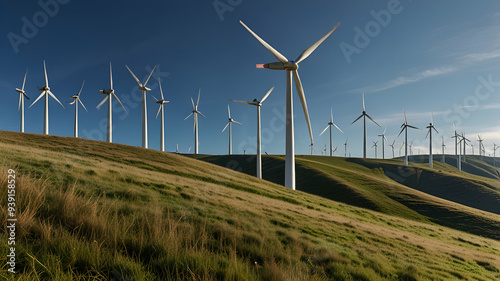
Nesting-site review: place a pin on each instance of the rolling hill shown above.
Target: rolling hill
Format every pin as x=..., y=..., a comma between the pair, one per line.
x=94, y=210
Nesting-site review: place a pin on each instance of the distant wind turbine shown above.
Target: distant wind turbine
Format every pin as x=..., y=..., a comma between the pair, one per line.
x=364, y=115
x=403, y=144
x=345, y=148
x=143, y=89
x=258, y=104
x=291, y=67
x=456, y=136
x=443, y=145
x=110, y=93
x=429, y=133
x=375, y=145
x=46, y=91
x=195, y=113
x=405, y=127
x=495, y=147
x=410, y=145
x=383, y=143
x=229, y=123
x=161, y=102
x=335, y=150
x=75, y=102
x=465, y=144
x=22, y=95
x=392, y=146
x=481, y=146
x=330, y=124
x=312, y=148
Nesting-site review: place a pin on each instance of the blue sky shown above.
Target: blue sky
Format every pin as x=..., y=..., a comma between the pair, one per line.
x=439, y=57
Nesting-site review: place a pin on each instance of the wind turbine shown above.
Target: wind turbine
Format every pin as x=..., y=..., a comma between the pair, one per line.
x=195, y=113
x=429, y=133
x=46, y=91
x=375, y=145
x=291, y=68
x=364, y=115
x=465, y=144
x=258, y=104
x=312, y=148
x=443, y=145
x=392, y=146
x=143, y=89
x=481, y=146
x=410, y=145
x=383, y=143
x=330, y=124
x=110, y=93
x=335, y=150
x=229, y=123
x=495, y=147
x=162, y=129
x=405, y=127
x=75, y=102
x=324, y=151
x=189, y=149
x=345, y=148
x=403, y=144
x=456, y=137
x=22, y=95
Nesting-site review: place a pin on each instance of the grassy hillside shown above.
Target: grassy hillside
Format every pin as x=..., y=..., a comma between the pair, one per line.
x=93, y=210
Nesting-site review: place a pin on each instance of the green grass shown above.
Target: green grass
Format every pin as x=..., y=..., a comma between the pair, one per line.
x=91, y=210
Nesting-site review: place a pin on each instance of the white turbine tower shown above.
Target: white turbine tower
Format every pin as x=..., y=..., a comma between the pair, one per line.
x=383, y=143
x=143, y=89
x=258, y=104
x=162, y=128
x=375, y=145
x=46, y=91
x=364, y=115
x=229, y=123
x=330, y=124
x=345, y=148
x=429, y=133
x=110, y=93
x=22, y=95
x=291, y=68
x=392, y=146
x=75, y=102
x=405, y=127
x=481, y=146
x=195, y=113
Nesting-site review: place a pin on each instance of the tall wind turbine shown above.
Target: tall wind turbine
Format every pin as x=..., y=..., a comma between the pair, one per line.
x=495, y=147
x=330, y=124
x=375, y=145
x=465, y=144
x=291, y=68
x=392, y=146
x=161, y=102
x=22, y=95
x=364, y=115
x=456, y=136
x=258, y=104
x=345, y=148
x=312, y=148
x=229, y=123
x=443, y=145
x=405, y=127
x=46, y=91
x=143, y=89
x=75, y=102
x=429, y=133
x=110, y=93
x=481, y=146
x=383, y=143
x=195, y=113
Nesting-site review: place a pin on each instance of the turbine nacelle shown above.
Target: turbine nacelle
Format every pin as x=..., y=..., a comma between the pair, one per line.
x=46, y=88
x=106, y=92
x=144, y=88
x=73, y=97
x=280, y=66
x=20, y=91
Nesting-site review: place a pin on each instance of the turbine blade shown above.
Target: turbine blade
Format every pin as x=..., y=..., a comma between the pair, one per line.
x=188, y=116
x=149, y=76
x=454, y=127
x=20, y=97
x=83, y=105
x=331, y=114
x=161, y=91
x=158, y=111
x=413, y=127
x=404, y=114
x=198, y=101
x=337, y=128
x=46, y=78
x=401, y=131
x=364, y=102
x=111, y=76
x=73, y=102
x=24, y=81
x=426, y=135
x=244, y=102
x=372, y=119
x=201, y=114
x=324, y=130
x=384, y=131
x=279, y=56
x=103, y=101
x=225, y=127
x=192, y=102
x=228, y=111
x=81, y=88
x=119, y=102
x=357, y=119
x=135, y=77
x=267, y=95
x=237, y=122
x=302, y=97
x=435, y=130
x=26, y=96
x=313, y=47
x=154, y=98
x=54, y=97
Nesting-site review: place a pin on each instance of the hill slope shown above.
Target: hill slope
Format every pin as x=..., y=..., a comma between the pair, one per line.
x=90, y=209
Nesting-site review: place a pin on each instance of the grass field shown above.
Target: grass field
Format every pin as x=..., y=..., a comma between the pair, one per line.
x=90, y=210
